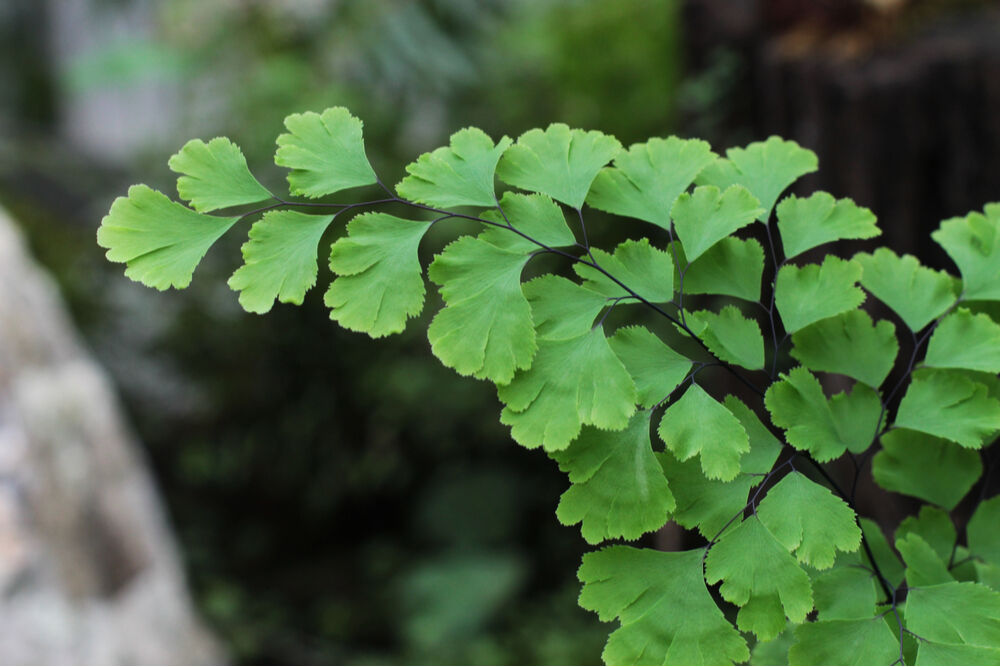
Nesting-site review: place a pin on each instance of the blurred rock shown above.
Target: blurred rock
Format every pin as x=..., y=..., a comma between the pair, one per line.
x=89, y=572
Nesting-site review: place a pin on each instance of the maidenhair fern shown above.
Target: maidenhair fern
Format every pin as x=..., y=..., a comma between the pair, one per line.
x=786, y=566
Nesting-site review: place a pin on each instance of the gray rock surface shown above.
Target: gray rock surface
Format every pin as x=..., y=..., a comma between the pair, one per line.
x=89, y=572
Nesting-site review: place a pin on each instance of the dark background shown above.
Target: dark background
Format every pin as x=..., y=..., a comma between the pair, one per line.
x=344, y=500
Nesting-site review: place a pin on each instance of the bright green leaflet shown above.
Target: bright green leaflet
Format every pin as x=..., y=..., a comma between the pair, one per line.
x=856, y=642
x=160, y=241
x=325, y=152
x=655, y=368
x=667, y=615
x=561, y=308
x=572, y=382
x=934, y=526
x=849, y=344
x=534, y=215
x=215, y=175
x=845, y=592
x=485, y=329
x=825, y=428
x=730, y=336
x=950, y=406
x=917, y=294
x=809, y=520
x=647, y=179
x=279, y=260
x=932, y=653
x=973, y=242
x=558, y=161
x=964, y=340
x=767, y=587
x=648, y=271
x=926, y=467
x=731, y=267
x=817, y=291
x=380, y=283
x=960, y=613
x=698, y=424
x=707, y=504
x=984, y=538
x=706, y=216
x=618, y=489
x=805, y=223
x=460, y=174
x=923, y=566
x=765, y=168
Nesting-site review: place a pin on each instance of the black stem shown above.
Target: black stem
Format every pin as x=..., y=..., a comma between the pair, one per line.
x=594, y=265
x=887, y=588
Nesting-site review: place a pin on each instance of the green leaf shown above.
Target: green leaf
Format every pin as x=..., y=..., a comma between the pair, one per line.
x=823, y=428
x=764, y=447
x=775, y=651
x=809, y=520
x=215, y=175
x=925, y=467
x=326, y=153
x=647, y=271
x=279, y=260
x=923, y=566
x=950, y=406
x=817, y=291
x=984, y=538
x=618, y=489
x=761, y=578
x=964, y=340
x=917, y=294
x=535, y=215
x=973, y=242
x=932, y=653
x=460, y=174
x=571, y=382
x=731, y=267
x=708, y=504
x=849, y=344
x=885, y=557
x=647, y=179
x=845, y=592
x=935, y=527
x=160, y=241
x=667, y=615
x=560, y=308
x=856, y=642
x=698, y=424
x=559, y=162
x=706, y=216
x=765, y=168
x=818, y=219
x=380, y=282
x=655, y=368
x=730, y=336
x=962, y=613
x=485, y=329
x=963, y=568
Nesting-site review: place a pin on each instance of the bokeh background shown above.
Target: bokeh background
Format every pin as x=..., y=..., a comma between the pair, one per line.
x=339, y=500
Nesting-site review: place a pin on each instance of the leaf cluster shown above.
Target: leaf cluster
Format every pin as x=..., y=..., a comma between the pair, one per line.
x=714, y=279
